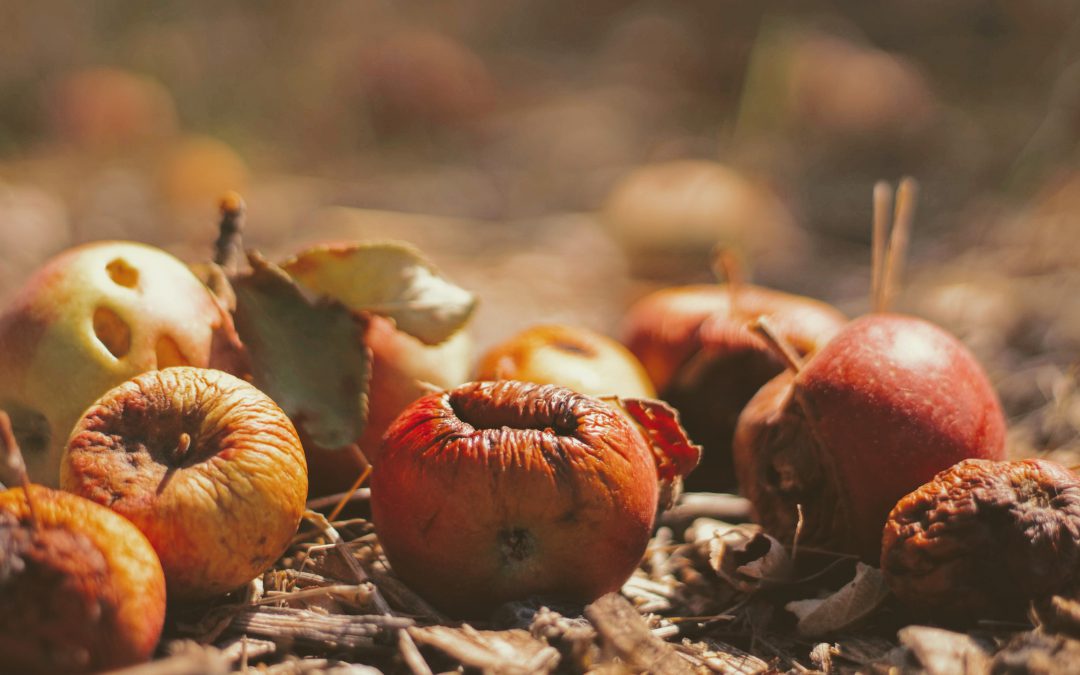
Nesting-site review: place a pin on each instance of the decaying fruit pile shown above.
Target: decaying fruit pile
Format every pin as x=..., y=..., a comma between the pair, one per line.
x=293, y=466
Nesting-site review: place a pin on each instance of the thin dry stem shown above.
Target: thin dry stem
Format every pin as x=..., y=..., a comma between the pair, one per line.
x=882, y=217
x=14, y=465
x=762, y=327
x=348, y=495
x=906, y=198
x=798, y=532
x=726, y=266
x=229, y=244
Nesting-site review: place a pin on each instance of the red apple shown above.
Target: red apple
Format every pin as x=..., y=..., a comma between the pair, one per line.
x=570, y=356
x=497, y=491
x=696, y=347
x=87, y=320
x=878, y=411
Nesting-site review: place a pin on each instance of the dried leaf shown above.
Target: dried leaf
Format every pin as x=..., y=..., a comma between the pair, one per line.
x=391, y=279
x=943, y=652
x=748, y=559
x=847, y=606
x=309, y=356
x=676, y=455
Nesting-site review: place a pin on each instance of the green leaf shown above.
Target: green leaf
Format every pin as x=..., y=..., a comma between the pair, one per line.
x=392, y=279
x=307, y=355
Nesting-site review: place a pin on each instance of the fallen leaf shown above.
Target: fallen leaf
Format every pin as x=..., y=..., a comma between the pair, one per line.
x=392, y=279
x=307, y=355
x=944, y=652
x=855, y=601
x=747, y=559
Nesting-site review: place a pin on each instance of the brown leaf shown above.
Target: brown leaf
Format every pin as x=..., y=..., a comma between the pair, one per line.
x=392, y=279
x=943, y=652
x=748, y=559
x=307, y=355
x=855, y=601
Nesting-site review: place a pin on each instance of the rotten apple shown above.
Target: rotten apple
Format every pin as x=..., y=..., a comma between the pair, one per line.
x=88, y=320
x=571, y=356
x=496, y=491
x=81, y=589
x=883, y=407
x=703, y=359
x=206, y=465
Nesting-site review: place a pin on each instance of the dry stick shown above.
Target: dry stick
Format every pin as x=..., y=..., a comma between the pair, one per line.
x=906, y=197
x=798, y=532
x=882, y=216
x=229, y=245
x=763, y=328
x=348, y=495
x=15, y=465
x=726, y=266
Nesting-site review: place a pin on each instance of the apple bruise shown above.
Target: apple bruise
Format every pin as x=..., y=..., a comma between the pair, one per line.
x=184, y=453
x=502, y=490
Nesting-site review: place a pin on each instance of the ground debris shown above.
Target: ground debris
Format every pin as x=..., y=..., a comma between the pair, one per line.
x=507, y=652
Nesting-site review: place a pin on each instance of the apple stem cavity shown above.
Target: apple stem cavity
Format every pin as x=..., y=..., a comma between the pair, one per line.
x=888, y=259
x=12, y=465
x=229, y=245
x=763, y=328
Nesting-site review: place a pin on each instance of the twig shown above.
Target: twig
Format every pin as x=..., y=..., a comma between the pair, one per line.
x=903, y=216
x=347, y=497
x=762, y=327
x=726, y=266
x=229, y=245
x=14, y=466
x=410, y=653
x=882, y=216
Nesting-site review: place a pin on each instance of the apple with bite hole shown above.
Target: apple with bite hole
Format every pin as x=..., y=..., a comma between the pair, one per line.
x=89, y=319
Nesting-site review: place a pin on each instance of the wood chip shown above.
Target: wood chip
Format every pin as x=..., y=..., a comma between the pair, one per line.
x=327, y=631
x=626, y=636
x=508, y=652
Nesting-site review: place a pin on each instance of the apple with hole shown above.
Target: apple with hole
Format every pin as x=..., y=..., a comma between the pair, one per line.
x=89, y=319
x=583, y=360
x=496, y=491
x=206, y=465
x=703, y=359
x=81, y=589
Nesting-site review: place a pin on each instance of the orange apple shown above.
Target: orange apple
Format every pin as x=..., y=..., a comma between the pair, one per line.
x=402, y=370
x=497, y=491
x=206, y=465
x=89, y=319
x=571, y=356
x=81, y=589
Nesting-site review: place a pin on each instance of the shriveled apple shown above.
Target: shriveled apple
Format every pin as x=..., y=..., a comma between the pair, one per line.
x=88, y=320
x=206, y=465
x=81, y=589
x=497, y=491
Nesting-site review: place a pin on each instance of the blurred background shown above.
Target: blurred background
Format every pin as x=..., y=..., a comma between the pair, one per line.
x=562, y=158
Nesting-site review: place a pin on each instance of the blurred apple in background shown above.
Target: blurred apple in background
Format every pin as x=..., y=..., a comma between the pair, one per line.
x=583, y=360
x=194, y=171
x=88, y=320
x=33, y=226
x=669, y=216
x=103, y=109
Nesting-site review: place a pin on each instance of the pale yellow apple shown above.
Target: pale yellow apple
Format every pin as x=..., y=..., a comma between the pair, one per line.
x=89, y=319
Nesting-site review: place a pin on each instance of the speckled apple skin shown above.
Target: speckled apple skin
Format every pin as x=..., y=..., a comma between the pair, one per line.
x=880, y=410
x=497, y=491
x=697, y=349
x=83, y=592
x=223, y=514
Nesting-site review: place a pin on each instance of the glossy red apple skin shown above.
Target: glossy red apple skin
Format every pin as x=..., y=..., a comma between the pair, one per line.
x=498, y=491
x=703, y=359
x=887, y=404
